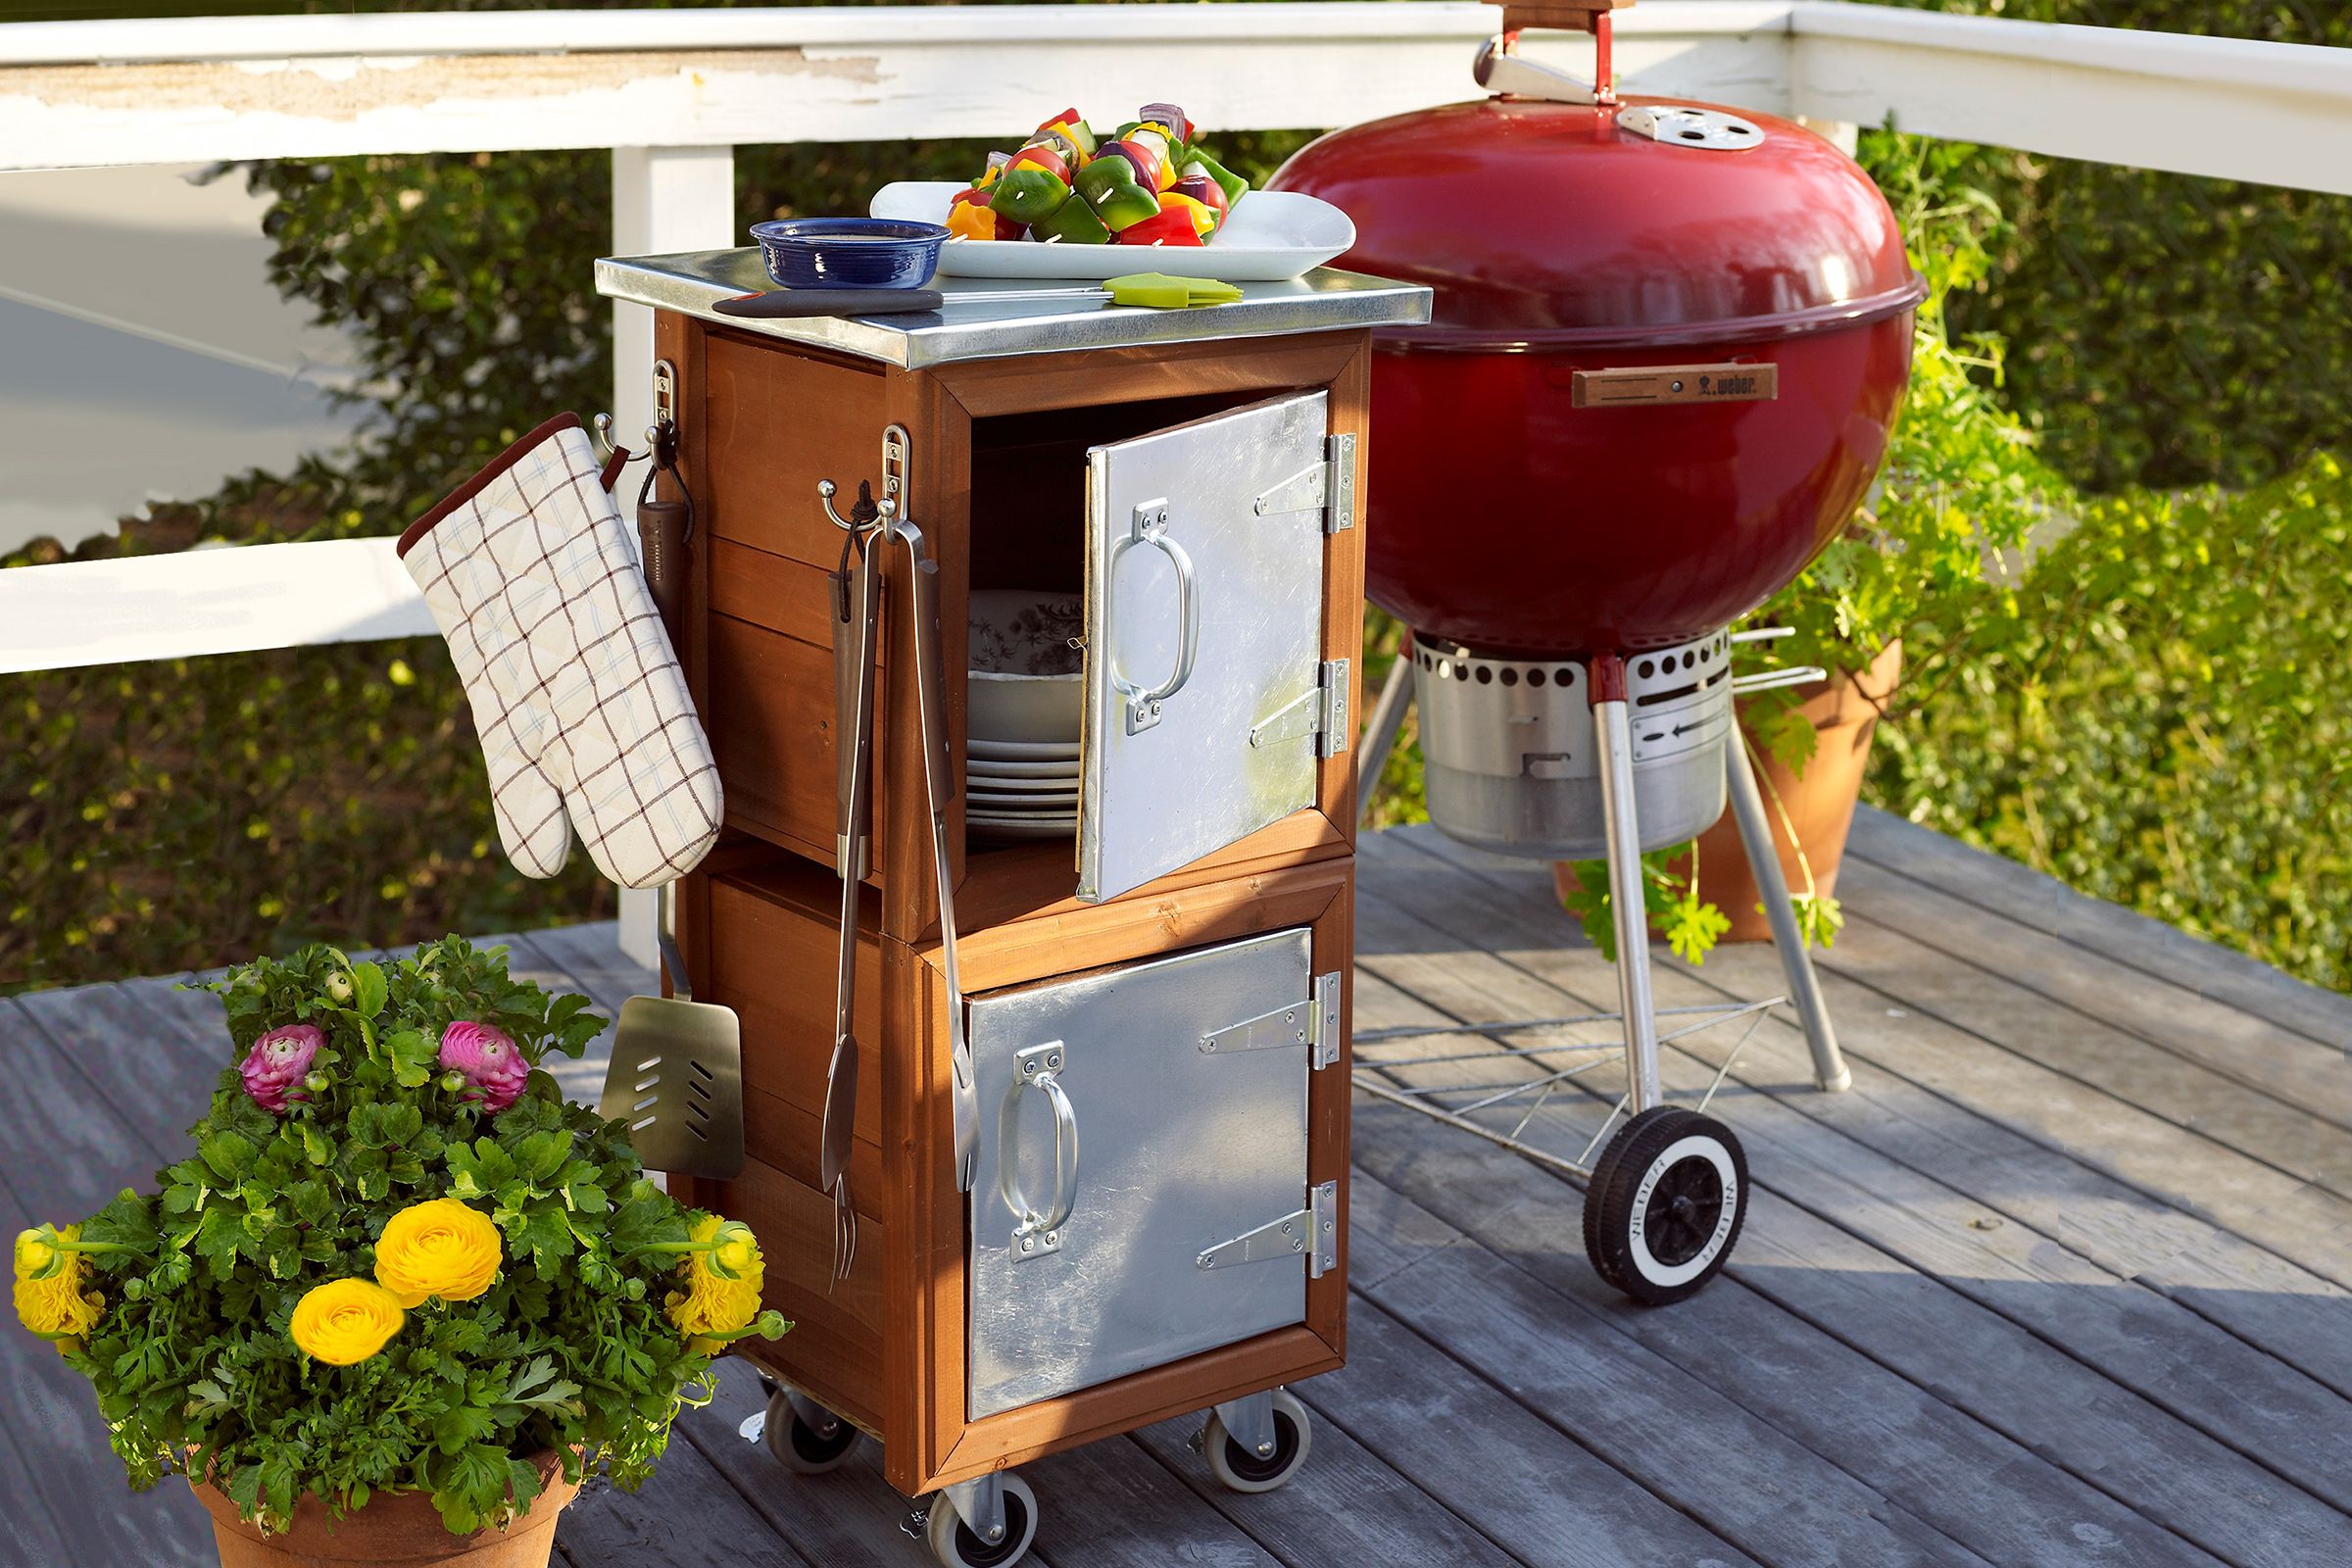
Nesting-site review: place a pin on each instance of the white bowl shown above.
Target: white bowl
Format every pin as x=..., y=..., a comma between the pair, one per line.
x=1031, y=710
x=1026, y=631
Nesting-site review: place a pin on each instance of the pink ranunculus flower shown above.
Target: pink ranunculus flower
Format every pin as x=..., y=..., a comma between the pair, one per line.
x=489, y=1059
x=274, y=1069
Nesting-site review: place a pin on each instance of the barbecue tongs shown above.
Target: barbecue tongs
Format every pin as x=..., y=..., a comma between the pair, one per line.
x=858, y=595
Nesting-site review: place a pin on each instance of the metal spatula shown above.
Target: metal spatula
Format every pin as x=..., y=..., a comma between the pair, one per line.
x=676, y=1075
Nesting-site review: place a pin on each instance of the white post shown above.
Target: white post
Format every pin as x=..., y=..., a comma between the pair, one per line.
x=663, y=199
x=1842, y=134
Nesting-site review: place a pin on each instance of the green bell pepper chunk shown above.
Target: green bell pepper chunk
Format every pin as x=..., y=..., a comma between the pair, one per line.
x=1073, y=222
x=1026, y=193
x=1117, y=196
x=1231, y=183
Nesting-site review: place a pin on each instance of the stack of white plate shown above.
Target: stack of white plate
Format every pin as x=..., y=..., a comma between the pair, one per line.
x=1024, y=699
x=1021, y=790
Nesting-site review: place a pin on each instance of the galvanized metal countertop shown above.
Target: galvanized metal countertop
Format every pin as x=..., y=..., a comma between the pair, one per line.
x=1324, y=299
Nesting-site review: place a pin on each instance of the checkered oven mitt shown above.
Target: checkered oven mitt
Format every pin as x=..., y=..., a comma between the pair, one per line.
x=578, y=698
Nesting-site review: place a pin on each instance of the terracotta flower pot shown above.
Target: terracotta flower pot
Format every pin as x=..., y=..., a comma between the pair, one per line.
x=393, y=1528
x=1845, y=709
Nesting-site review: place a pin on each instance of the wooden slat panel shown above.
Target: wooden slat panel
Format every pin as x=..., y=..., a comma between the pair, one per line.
x=1179, y=1388
x=1190, y=916
x=774, y=738
x=777, y=420
x=774, y=963
x=834, y=1351
x=1035, y=382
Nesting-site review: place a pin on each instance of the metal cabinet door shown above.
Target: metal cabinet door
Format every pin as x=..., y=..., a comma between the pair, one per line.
x=1205, y=628
x=1098, y=1191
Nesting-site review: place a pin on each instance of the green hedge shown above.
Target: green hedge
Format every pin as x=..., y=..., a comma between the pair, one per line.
x=2166, y=330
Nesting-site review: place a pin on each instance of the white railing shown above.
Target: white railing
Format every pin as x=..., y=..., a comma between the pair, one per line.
x=677, y=90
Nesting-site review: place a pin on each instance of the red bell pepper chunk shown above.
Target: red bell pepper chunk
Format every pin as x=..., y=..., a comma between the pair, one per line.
x=1172, y=226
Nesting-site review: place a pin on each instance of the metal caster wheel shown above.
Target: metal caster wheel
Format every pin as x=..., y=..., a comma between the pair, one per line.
x=957, y=1545
x=805, y=1436
x=1241, y=1467
x=1666, y=1204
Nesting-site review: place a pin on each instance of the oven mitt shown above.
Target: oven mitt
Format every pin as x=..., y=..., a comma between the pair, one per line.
x=579, y=700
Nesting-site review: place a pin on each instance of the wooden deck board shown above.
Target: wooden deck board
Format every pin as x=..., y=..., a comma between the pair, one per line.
x=2244, y=1401
x=2067, y=1278
x=2001, y=1489
x=2017, y=893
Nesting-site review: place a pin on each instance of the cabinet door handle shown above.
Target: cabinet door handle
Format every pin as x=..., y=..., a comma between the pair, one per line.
x=1035, y=1233
x=1150, y=527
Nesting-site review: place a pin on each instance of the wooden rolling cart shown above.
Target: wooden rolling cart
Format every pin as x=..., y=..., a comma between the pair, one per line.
x=1173, y=985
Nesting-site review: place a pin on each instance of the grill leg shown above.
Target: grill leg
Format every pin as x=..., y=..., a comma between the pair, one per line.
x=1613, y=734
x=1380, y=736
x=1764, y=860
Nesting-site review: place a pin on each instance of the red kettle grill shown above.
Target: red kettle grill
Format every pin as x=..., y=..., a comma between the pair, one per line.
x=1668, y=343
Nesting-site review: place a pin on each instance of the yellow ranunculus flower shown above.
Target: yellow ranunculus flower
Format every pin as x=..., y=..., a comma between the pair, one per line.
x=711, y=1304
x=56, y=1309
x=345, y=1321
x=441, y=1247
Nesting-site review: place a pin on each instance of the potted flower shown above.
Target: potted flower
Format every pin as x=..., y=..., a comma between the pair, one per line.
x=401, y=1297
x=1944, y=529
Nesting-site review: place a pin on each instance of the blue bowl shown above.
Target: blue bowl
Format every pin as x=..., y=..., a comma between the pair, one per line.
x=850, y=252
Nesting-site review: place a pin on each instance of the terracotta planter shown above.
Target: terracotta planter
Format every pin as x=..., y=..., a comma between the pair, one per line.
x=1845, y=709
x=394, y=1528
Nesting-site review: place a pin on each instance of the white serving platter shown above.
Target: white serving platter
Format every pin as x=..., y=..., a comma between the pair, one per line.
x=1270, y=236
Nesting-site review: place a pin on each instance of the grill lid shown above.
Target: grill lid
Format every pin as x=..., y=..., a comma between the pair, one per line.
x=1649, y=222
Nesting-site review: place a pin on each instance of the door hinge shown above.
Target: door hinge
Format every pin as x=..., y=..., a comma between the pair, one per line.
x=1338, y=726
x=1328, y=487
x=1311, y=1233
x=1313, y=1023
x=1321, y=711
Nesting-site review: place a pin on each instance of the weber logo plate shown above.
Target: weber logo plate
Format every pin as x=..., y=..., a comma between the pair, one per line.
x=1674, y=383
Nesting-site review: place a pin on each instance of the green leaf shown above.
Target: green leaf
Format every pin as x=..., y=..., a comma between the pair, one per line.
x=368, y=989
x=415, y=1054
x=219, y=1238
x=542, y=1154
x=462, y=1424
x=229, y=1156
x=1693, y=926
x=478, y=1169
x=315, y=1146
x=544, y=1230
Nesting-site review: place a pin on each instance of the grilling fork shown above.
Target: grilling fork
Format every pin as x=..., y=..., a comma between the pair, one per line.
x=857, y=589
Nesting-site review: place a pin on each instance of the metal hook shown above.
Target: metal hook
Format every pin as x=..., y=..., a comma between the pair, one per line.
x=601, y=433
x=864, y=514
